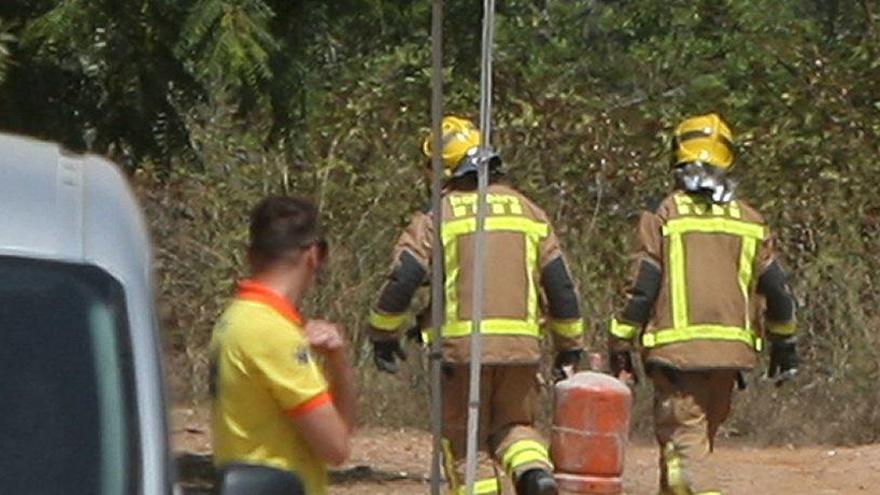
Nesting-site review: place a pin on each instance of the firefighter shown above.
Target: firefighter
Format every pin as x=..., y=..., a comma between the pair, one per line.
x=704, y=272
x=525, y=273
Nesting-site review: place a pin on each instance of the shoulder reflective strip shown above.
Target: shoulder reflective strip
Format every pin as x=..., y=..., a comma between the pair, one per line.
x=449, y=465
x=718, y=210
x=678, y=282
x=309, y=405
x=683, y=204
x=700, y=332
x=388, y=323
x=524, y=452
x=785, y=329
x=501, y=204
x=623, y=331
x=746, y=268
x=486, y=486
x=493, y=327
x=567, y=328
x=714, y=225
x=515, y=206
x=455, y=228
x=460, y=208
x=734, y=209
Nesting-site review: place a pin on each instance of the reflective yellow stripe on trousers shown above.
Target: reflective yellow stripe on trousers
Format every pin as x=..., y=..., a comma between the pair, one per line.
x=525, y=452
x=449, y=465
x=674, y=476
x=533, y=231
x=485, y=486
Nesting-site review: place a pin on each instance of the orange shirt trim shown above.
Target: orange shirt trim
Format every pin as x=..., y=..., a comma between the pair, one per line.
x=310, y=405
x=251, y=290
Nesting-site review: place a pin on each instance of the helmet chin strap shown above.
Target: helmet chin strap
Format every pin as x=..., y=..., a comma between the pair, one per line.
x=706, y=180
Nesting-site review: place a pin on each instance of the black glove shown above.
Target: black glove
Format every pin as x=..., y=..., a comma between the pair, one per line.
x=566, y=359
x=621, y=361
x=385, y=354
x=783, y=360
x=414, y=334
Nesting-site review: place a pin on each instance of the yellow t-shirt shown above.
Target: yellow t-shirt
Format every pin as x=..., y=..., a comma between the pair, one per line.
x=264, y=374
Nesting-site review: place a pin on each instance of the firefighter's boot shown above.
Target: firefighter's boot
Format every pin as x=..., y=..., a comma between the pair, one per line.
x=536, y=482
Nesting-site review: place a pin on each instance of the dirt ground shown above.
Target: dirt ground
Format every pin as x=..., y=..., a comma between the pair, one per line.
x=389, y=461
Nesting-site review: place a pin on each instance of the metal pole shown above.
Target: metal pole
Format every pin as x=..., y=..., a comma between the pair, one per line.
x=476, y=354
x=436, y=356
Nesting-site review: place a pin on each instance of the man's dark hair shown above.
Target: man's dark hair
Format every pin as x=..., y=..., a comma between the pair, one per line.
x=280, y=227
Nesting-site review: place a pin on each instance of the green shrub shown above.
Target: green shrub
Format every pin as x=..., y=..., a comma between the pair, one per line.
x=586, y=94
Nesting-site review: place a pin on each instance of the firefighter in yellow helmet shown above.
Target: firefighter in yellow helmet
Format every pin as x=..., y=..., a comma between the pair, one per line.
x=705, y=273
x=526, y=275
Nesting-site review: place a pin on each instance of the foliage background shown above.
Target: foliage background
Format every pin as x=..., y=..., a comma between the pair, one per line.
x=211, y=104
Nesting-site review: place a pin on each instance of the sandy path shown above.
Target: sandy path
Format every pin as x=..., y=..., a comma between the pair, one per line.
x=403, y=457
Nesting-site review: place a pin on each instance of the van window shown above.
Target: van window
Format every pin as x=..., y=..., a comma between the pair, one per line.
x=67, y=419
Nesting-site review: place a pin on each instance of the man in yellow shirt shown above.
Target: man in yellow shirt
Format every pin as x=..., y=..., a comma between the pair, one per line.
x=279, y=416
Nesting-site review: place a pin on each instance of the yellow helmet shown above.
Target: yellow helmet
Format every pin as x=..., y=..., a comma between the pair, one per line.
x=706, y=139
x=460, y=139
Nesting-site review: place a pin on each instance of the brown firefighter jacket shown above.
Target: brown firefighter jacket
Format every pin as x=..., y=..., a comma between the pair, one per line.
x=525, y=273
x=702, y=276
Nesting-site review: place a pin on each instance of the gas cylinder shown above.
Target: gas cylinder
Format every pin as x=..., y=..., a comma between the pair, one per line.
x=590, y=432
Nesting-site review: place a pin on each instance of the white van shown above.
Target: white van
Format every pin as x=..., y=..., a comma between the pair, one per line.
x=81, y=395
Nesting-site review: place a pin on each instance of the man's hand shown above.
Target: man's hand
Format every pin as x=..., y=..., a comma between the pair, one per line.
x=566, y=363
x=328, y=340
x=324, y=337
x=783, y=360
x=386, y=353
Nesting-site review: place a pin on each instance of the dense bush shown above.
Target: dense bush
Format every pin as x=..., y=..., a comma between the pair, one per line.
x=586, y=93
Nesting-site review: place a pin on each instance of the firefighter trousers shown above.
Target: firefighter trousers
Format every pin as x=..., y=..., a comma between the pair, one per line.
x=506, y=432
x=689, y=407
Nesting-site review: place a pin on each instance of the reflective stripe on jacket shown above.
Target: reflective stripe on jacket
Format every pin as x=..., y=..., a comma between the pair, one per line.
x=526, y=277
x=694, y=300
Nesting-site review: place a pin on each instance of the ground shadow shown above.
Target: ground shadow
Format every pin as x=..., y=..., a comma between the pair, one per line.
x=197, y=476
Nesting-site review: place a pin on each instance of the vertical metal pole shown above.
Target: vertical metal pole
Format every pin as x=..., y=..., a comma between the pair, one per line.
x=476, y=347
x=437, y=282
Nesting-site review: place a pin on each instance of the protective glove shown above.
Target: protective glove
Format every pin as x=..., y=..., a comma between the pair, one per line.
x=620, y=362
x=414, y=334
x=386, y=353
x=566, y=363
x=783, y=360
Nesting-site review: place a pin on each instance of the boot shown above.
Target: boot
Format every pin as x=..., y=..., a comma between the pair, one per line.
x=536, y=482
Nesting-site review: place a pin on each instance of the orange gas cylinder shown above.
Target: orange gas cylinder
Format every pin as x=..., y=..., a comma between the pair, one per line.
x=590, y=431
